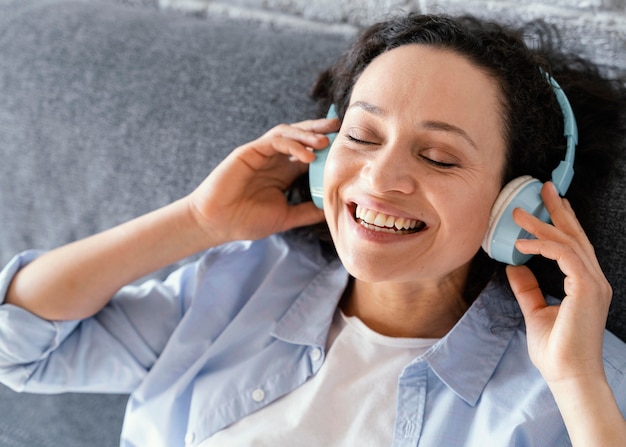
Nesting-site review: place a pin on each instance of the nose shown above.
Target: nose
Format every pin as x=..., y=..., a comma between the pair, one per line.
x=390, y=169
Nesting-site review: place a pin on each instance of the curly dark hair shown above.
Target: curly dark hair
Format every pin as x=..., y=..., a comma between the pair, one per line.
x=533, y=121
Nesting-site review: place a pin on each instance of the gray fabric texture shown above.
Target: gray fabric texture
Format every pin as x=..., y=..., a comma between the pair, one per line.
x=108, y=111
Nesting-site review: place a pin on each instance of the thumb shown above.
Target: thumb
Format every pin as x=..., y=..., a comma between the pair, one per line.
x=526, y=289
x=303, y=214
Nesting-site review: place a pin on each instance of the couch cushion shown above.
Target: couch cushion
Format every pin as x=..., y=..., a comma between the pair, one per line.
x=108, y=112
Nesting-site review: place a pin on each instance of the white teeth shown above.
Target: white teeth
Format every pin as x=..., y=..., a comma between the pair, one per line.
x=373, y=220
x=389, y=222
x=380, y=220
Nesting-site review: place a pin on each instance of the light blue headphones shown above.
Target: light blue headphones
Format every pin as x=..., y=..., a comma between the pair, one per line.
x=316, y=168
x=525, y=192
x=522, y=192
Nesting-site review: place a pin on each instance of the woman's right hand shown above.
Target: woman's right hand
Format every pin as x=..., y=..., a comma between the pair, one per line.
x=244, y=197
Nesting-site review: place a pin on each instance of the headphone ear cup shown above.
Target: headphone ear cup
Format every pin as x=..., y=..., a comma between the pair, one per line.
x=499, y=242
x=316, y=168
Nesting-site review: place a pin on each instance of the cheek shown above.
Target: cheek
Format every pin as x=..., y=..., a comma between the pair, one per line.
x=332, y=179
x=338, y=171
x=330, y=174
x=468, y=215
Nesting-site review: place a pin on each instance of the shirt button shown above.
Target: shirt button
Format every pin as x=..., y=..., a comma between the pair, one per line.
x=258, y=395
x=190, y=437
x=316, y=354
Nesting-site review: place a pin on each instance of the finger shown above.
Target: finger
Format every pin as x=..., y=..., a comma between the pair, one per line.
x=322, y=125
x=583, y=276
x=258, y=153
x=570, y=262
x=310, y=130
x=573, y=255
x=302, y=215
x=564, y=219
x=526, y=289
x=561, y=213
x=307, y=136
x=569, y=241
x=564, y=228
x=534, y=225
x=296, y=150
x=546, y=234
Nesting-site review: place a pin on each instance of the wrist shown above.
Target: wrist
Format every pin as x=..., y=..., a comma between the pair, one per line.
x=206, y=231
x=589, y=410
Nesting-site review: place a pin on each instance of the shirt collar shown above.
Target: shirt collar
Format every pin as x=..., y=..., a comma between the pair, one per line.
x=466, y=358
x=308, y=319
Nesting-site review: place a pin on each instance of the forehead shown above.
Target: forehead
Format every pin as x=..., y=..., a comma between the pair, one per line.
x=419, y=82
x=418, y=71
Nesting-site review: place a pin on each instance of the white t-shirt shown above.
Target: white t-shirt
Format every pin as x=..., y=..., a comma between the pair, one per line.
x=350, y=401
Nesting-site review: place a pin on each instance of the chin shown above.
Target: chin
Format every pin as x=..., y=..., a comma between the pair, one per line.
x=376, y=270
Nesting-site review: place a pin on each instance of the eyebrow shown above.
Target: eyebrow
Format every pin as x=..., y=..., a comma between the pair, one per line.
x=446, y=127
x=439, y=126
x=371, y=108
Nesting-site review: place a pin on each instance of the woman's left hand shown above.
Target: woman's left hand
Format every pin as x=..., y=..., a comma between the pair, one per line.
x=564, y=341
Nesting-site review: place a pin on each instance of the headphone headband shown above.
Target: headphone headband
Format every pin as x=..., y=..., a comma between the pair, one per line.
x=564, y=172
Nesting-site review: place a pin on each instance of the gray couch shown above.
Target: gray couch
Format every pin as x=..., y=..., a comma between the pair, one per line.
x=108, y=111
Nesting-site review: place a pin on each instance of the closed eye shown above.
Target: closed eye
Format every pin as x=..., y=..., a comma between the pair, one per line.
x=358, y=141
x=439, y=164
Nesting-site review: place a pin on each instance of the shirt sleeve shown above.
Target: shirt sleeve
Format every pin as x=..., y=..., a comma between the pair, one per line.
x=614, y=355
x=110, y=352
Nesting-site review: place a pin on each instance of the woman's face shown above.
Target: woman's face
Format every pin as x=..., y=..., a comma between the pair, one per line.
x=411, y=178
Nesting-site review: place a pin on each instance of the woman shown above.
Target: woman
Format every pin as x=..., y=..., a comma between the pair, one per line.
x=414, y=337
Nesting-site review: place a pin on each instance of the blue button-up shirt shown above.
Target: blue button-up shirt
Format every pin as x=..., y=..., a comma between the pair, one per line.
x=244, y=325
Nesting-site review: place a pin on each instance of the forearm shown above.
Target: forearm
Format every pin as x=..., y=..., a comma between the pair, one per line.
x=590, y=413
x=243, y=198
x=77, y=280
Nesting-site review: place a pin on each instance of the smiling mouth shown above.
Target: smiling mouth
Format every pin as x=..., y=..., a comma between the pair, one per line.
x=385, y=223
